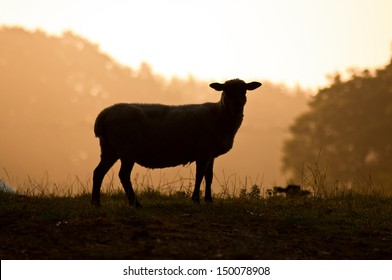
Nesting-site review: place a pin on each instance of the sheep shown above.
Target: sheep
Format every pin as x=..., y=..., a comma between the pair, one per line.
x=290, y=191
x=6, y=188
x=159, y=136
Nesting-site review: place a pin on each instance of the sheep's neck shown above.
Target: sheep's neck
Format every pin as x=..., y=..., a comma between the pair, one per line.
x=232, y=122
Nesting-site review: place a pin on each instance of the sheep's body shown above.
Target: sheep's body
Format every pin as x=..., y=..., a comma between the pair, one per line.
x=158, y=136
x=289, y=191
x=6, y=188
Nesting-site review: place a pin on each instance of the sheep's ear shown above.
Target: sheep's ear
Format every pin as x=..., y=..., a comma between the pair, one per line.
x=253, y=85
x=217, y=86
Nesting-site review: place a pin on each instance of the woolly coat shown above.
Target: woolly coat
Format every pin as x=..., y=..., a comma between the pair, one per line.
x=157, y=136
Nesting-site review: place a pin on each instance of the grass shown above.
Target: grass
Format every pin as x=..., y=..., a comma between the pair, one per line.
x=41, y=224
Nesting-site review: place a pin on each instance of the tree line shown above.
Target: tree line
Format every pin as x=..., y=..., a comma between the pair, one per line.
x=346, y=136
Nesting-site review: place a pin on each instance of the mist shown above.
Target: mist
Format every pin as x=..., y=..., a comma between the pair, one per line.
x=53, y=87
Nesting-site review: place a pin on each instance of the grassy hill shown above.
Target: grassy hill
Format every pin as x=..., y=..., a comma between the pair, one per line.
x=345, y=226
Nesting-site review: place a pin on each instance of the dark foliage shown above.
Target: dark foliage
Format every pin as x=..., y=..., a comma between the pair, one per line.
x=347, y=132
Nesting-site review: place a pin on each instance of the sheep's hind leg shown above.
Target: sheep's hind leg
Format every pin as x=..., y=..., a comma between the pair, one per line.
x=208, y=176
x=200, y=172
x=125, y=178
x=99, y=173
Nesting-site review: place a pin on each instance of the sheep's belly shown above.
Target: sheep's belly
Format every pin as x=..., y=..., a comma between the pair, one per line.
x=179, y=150
x=162, y=158
x=158, y=162
x=158, y=155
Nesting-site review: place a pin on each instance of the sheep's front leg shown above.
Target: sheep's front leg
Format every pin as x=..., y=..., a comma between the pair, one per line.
x=208, y=176
x=125, y=178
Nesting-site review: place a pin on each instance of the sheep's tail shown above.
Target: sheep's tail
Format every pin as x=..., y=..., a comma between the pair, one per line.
x=99, y=126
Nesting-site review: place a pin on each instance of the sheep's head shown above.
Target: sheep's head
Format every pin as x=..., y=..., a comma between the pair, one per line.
x=234, y=94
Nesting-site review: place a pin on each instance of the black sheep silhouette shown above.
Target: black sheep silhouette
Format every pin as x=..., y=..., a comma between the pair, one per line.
x=289, y=191
x=158, y=136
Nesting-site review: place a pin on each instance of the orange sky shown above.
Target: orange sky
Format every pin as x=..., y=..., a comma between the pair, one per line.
x=284, y=41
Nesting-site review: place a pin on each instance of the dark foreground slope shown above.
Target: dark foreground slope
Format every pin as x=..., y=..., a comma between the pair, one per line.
x=172, y=227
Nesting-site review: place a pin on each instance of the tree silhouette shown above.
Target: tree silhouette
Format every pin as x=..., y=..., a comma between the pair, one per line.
x=348, y=131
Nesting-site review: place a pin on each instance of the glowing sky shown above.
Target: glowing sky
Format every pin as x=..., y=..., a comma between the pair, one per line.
x=291, y=41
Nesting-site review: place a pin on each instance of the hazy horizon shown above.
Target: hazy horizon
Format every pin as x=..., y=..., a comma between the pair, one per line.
x=289, y=46
x=53, y=88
